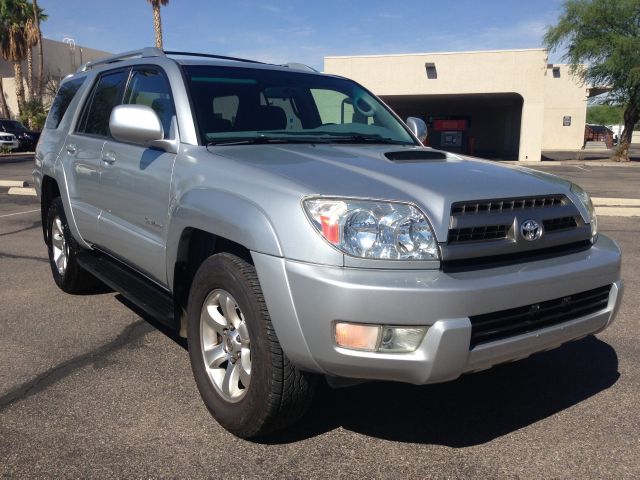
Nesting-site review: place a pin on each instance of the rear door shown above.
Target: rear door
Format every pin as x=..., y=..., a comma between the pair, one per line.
x=82, y=153
x=135, y=182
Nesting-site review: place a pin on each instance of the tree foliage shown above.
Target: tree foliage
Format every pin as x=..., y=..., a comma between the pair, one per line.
x=605, y=114
x=601, y=39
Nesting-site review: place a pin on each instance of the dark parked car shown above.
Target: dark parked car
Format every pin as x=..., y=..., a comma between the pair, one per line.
x=27, y=138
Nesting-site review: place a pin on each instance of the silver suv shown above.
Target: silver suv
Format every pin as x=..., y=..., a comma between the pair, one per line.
x=293, y=228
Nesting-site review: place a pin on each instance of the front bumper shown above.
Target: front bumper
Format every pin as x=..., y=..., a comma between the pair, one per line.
x=13, y=145
x=305, y=299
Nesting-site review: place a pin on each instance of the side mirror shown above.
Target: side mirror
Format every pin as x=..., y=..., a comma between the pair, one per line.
x=139, y=124
x=418, y=128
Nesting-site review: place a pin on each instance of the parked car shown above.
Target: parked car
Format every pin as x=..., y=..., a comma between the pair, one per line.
x=293, y=228
x=9, y=141
x=27, y=139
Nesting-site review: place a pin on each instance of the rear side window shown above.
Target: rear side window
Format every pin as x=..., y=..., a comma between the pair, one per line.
x=105, y=96
x=62, y=101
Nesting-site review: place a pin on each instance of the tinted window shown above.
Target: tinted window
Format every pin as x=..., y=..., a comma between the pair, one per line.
x=244, y=104
x=106, y=95
x=149, y=87
x=62, y=101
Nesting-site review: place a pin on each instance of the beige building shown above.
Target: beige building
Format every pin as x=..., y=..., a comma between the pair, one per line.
x=506, y=104
x=60, y=59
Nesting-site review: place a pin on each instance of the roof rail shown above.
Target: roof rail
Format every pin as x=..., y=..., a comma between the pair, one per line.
x=209, y=55
x=299, y=66
x=142, y=53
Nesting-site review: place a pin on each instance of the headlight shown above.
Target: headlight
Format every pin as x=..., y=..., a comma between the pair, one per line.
x=588, y=205
x=371, y=229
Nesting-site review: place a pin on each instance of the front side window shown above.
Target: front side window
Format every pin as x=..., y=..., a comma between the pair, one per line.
x=106, y=95
x=62, y=101
x=148, y=86
x=246, y=105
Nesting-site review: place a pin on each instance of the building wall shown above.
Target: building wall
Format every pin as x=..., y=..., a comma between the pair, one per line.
x=523, y=72
x=565, y=95
x=59, y=61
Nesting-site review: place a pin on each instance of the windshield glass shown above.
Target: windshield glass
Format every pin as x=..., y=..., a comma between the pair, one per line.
x=13, y=125
x=246, y=105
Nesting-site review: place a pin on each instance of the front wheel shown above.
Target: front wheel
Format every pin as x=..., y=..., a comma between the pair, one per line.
x=244, y=377
x=63, y=253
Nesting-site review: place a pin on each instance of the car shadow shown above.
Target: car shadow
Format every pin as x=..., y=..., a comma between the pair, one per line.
x=472, y=410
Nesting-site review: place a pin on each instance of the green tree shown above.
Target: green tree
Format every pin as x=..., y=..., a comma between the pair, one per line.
x=602, y=41
x=157, y=20
x=17, y=33
x=605, y=114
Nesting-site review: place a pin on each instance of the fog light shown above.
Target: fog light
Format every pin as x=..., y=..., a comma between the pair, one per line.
x=357, y=336
x=401, y=339
x=378, y=338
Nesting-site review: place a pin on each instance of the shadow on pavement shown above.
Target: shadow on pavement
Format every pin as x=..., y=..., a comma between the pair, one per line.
x=472, y=410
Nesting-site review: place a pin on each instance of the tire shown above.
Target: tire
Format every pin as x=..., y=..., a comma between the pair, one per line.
x=277, y=394
x=63, y=253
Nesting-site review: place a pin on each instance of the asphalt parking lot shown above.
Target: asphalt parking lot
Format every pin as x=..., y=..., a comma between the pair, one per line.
x=88, y=388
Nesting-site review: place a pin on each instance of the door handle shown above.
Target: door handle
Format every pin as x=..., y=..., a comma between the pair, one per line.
x=109, y=158
x=71, y=149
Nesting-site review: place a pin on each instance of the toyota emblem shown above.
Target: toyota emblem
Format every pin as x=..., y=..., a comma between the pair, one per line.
x=531, y=230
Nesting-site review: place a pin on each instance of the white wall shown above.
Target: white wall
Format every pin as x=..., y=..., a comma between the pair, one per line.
x=507, y=71
x=59, y=61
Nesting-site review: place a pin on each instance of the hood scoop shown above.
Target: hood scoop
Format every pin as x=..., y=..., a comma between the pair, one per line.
x=409, y=156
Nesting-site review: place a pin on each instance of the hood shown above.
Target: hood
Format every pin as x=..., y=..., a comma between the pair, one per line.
x=365, y=172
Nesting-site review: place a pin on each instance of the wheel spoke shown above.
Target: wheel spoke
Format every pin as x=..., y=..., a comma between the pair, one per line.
x=59, y=225
x=215, y=356
x=60, y=261
x=229, y=309
x=230, y=381
x=243, y=332
x=244, y=365
x=212, y=318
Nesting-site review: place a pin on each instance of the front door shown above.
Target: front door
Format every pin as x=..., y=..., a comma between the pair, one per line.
x=135, y=183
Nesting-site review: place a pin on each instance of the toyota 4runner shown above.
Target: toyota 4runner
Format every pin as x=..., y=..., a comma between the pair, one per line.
x=291, y=226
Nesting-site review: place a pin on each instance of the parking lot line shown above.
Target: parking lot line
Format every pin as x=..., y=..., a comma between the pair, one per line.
x=19, y=213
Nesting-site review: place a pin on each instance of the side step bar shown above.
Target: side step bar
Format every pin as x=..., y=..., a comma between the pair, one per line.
x=134, y=287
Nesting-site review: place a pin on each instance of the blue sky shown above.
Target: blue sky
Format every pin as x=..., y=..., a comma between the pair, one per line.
x=302, y=30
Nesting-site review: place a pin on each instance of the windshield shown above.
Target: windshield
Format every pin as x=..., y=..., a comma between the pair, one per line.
x=13, y=125
x=245, y=105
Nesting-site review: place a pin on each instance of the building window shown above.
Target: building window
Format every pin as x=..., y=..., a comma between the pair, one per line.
x=556, y=72
x=432, y=73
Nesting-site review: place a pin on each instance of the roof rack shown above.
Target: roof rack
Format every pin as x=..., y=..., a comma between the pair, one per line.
x=156, y=52
x=209, y=55
x=142, y=53
x=299, y=66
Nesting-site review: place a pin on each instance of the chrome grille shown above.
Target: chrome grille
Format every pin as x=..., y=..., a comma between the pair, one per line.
x=515, y=321
x=493, y=228
x=508, y=204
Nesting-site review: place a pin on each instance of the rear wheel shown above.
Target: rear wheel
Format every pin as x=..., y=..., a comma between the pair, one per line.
x=244, y=377
x=63, y=253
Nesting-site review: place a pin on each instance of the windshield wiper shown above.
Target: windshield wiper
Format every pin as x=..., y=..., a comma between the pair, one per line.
x=259, y=140
x=357, y=138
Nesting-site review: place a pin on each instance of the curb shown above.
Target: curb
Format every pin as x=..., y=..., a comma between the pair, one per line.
x=17, y=157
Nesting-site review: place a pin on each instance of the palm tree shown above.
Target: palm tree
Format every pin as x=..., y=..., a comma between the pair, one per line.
x=38, y=15
x=13, y=42
x=17, y=34
x=4, y=108
x=157, y=21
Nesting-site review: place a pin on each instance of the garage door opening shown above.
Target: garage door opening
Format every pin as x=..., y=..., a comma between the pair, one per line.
x=482, y=125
